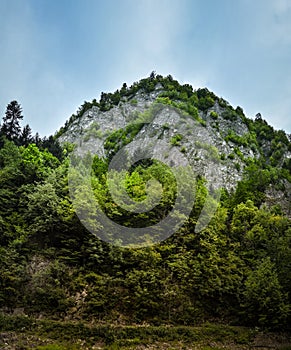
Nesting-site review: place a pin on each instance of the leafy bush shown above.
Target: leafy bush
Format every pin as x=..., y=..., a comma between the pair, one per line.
x=213, y=115
x=175, y=140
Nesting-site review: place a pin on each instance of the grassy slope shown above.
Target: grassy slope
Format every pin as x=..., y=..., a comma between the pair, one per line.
x=19, y=332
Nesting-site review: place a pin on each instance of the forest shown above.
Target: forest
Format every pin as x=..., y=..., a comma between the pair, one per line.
x=235, y=272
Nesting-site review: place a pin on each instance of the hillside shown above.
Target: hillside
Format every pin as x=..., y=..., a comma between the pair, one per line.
x=164, y=207
x=213, y=135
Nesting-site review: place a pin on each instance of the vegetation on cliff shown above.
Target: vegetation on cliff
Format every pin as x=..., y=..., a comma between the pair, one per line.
x=237, y=270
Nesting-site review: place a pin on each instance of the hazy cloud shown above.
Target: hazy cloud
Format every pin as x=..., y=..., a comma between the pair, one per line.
x=55, y=55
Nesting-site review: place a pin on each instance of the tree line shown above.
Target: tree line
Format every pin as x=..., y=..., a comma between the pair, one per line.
x=237, y=270
x=10, y=129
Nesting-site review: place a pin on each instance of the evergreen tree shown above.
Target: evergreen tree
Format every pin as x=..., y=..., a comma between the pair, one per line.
x=26, y=136
x=37, y=139
x=11, y=126
x=53, y=146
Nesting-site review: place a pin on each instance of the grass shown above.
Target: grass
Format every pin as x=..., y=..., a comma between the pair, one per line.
x=47, y=334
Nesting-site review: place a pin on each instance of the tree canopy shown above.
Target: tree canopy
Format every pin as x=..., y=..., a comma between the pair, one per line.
x=236, y=270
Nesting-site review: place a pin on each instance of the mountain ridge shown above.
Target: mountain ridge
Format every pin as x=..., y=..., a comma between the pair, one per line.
x=91, y=231
x=235, y=141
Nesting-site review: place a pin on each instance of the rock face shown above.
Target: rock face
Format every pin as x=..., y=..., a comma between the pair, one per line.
x=282, y=197
x=95, y=126
x=216, y=142
x=204, y=146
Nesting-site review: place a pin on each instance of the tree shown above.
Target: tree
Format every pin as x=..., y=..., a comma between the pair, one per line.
x=152, y=75
x=11, y=127
x=37, y=139
x=265, y=302
x=53, y=146
x=26, y=137
x=42, y=212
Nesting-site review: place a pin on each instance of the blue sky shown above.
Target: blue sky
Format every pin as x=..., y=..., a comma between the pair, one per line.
x=57, y=53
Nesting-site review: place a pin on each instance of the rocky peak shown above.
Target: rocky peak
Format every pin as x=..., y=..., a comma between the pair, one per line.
x=217, y=140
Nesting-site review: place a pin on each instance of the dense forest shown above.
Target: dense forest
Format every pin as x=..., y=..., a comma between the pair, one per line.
x=236, y=271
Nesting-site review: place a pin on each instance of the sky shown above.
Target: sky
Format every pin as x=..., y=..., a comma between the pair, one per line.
x=56, y=54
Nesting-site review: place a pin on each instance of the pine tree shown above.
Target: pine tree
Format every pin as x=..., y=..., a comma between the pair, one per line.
x=53, y=146
x=37, y=139
x=11, y=126
x=26, y=136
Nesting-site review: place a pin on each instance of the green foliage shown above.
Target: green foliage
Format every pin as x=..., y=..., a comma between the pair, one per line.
x=211, y=151
x=213, y=115
x=205, y=100
x=93, y=132
x=248, y=140
x=237, y=166
x=26, y=136
x=231, y=136
x=52, y=347
x=230, y=115
x=76, y=335
x=10, y=127
x=175, y=140
x=133, y=102
x=264, y=300
x=237, y=269
x=121, y=138
x=37, y=161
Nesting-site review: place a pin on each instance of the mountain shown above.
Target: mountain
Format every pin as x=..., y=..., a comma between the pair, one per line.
x=165, y=209
x=220, y=143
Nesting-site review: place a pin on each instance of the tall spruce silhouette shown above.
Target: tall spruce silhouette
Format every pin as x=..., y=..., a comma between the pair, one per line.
x=11, y=121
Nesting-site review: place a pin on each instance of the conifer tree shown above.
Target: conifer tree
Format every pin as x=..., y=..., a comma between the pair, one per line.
x=11, y=122
x=26, y=136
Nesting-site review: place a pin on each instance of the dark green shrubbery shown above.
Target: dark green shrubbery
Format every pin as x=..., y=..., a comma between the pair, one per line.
x=236, y=269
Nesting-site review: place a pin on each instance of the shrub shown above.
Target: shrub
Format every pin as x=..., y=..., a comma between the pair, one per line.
x=237, y=166
x=133, y=102
x=175, y=140
x=213, y=115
